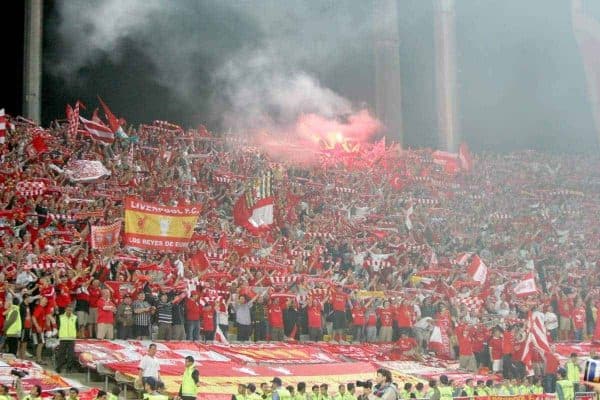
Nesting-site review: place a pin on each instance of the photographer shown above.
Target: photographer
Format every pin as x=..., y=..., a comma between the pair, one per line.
x=384, y=389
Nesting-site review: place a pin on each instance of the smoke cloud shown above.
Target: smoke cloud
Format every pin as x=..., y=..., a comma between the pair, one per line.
x=260, y=63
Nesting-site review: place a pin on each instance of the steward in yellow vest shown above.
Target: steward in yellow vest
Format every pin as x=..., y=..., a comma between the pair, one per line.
x=279, y=392
x=189, y=381
x=564, y=387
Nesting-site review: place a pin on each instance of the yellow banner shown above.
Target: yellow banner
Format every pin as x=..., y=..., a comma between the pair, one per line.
x=141, y=223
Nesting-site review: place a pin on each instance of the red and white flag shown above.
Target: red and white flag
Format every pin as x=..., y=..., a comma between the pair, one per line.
x=256, y=218
x=537, y=339
x=105, y=236
x=478, y=270
x=98, y=131
x=526, y=286
x=2, y=126
x=220, y=336
x=73, y=119
x=462, y=258
x=439, y=342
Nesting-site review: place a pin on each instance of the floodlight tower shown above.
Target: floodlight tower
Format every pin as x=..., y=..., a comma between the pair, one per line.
x=445, y=74
x=32, y=63
x=388, y=93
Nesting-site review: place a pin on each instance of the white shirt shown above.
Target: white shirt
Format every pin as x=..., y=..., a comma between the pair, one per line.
x=550, y=320
x=179, y=268
x=149, y=366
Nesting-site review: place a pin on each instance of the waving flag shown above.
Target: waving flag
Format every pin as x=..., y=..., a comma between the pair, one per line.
x=537, y=339
x=98, y=131
x=526, y=286
x=105, y=236
x=73, y=118
x=478, y=270
x=254, y=209
x=113, y=122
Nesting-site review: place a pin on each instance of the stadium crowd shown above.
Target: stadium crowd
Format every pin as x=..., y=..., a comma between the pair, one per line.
x=368, y=244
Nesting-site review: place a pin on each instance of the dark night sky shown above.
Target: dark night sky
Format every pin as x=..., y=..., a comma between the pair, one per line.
x=520, y=75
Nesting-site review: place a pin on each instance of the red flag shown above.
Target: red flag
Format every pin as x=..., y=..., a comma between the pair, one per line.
x=113, y=121
x=39, y=144
x=220, y=336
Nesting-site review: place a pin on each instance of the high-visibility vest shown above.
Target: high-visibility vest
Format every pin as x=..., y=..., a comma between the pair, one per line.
x=188, y=386
x=469, y=391
x=254, y=396
x=239, y=396
x=537, y=389
x=445, y=393
x=157, y=396
x=572, y=371
x=110, y=396
x=68, y=327
x=283, y=393
x=349, y=396
x=301, y=396
x=15, y=328
x=568, y=390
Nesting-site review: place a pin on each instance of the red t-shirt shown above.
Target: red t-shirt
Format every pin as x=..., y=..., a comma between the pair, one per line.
x=358, y=315
x=579, y=317
x=314, y=317
x=39, y=314
x=275, y=316
x=403, y=315
x=406, y=344
x=385, y=315
x=106, y=315
x=372, y=319
x=507, y=343
x=63, y=298
x=338, y=301
x=94, y=296
x=496, y=347
x=208, y=318
x=465, y=345
x=192, y=310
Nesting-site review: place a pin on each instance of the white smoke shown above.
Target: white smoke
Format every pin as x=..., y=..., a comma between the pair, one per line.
x=254, y=57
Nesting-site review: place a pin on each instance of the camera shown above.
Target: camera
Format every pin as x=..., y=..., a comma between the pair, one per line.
x=18, y=372
x=364, y=384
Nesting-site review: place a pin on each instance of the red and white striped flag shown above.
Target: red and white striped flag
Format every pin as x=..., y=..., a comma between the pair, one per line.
x=537, y=339
x=462, y=258
x=478, y=270
x=98, y=131
x=526, y=286
x=73, y=118
x=2, y=126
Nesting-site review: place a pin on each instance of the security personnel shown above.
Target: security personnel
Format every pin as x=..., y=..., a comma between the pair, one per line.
x=251, y=392
x=573, y=370
x=241, y=394
x=446, y=391
x=301, y=391
x=113, y=394
x=535, y=387
x=468, y=389
x=13, y=326
x=67, y=333
x=350, y=392
x=73, y=394
x=189, y=382
x=152, y=393
x=564, y=387
x=278, y=391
